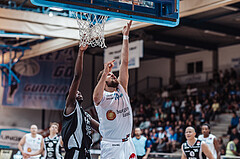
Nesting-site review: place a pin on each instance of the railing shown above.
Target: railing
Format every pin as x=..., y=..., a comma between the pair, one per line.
x=145, y=84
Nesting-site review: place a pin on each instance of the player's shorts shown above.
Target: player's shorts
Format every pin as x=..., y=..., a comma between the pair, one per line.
x=118, y=149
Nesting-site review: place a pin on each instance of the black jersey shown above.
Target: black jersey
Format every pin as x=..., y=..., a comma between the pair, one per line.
x=76, y=134
x=193, y=152
x=52, y=148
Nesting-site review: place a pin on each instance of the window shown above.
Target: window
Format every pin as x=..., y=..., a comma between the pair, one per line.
x=195, y=67
x=190, y=68
x=199, y=66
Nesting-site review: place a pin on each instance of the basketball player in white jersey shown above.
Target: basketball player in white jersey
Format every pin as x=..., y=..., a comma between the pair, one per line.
x=113, y=108
x=194, y=148
x=210, y=140
x=31, y=143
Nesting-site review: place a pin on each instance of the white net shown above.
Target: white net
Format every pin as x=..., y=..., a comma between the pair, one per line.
x=91, y=29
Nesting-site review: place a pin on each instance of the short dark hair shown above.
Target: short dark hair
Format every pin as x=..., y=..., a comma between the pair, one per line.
x=99, y=76
x=54, y=123
x=206, y=124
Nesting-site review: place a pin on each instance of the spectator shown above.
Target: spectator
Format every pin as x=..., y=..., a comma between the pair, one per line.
x=231, y=150
x=222, y=146
x=215, y=107
x=234, y=122
x=234, y=134
x=162, y=140
x=171, y=144
x=141, y=145
x=198, y=108
x=149, y=111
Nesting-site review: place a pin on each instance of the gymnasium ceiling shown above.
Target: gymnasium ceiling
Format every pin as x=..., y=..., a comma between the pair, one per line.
x=206, y=30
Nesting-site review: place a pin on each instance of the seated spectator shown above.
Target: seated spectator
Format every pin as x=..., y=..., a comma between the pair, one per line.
x=231, y=150
x=171, y=144
x=234, y=134
x=162, y=140
x=154, y=138
x=221, y=146
x=145, y=124
x=149, y=111
x=165, y=94
x=141, y=145
x=215, y=107
x=198, y=108
x=180, y=136
x=234, y=122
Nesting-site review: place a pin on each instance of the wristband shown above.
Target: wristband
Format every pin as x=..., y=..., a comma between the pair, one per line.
x=125, y=37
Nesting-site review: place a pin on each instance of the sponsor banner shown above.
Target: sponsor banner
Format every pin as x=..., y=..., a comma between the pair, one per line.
x=10, y=136
x=44, y=81
x=135, y=53
x=194, y=78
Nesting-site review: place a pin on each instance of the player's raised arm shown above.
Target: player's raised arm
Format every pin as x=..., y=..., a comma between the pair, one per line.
x=206, y=151
x=123, y=72
x=98, y=91
x=71, y=98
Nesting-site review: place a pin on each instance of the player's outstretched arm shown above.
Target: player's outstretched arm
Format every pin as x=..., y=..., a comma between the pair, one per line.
x=98, y=91
x=183, y=154
x=123, y=72
x=206, y=151
x=71, y=99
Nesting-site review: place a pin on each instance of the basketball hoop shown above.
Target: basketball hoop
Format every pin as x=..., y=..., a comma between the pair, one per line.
x=91, y=29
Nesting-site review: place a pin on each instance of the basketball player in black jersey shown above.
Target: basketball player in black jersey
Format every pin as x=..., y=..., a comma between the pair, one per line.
x=53, y=143
x=193, y=148
x=76, y=130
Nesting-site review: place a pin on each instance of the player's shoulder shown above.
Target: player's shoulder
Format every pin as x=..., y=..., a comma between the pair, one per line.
x=200, y=136
x=212, y=136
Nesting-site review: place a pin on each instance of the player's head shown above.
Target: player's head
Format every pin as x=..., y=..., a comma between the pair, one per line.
x=206, y=129
x=190, y=133
x=79, y=96
x=236, y=140
x=33, y=129
x=111, y=80
x=138, y=131
x=54, y=126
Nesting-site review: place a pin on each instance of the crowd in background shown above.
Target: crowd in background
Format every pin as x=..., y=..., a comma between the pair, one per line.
x=164, y=119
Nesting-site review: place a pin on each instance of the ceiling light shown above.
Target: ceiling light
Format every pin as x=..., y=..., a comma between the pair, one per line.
x=231, y=8
x=22, y=36
x=165, y=43
x=214, y=33
x=192, y=47
x=56, y=9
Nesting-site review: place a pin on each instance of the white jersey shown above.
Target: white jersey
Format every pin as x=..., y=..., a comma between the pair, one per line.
x=115, y=114
x=210, y=142
x=32, y=145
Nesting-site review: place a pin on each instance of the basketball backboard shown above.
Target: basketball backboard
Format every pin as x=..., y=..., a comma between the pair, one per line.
x=160, y=12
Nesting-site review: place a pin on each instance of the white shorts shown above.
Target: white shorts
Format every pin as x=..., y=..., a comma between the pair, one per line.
x=118, y=150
